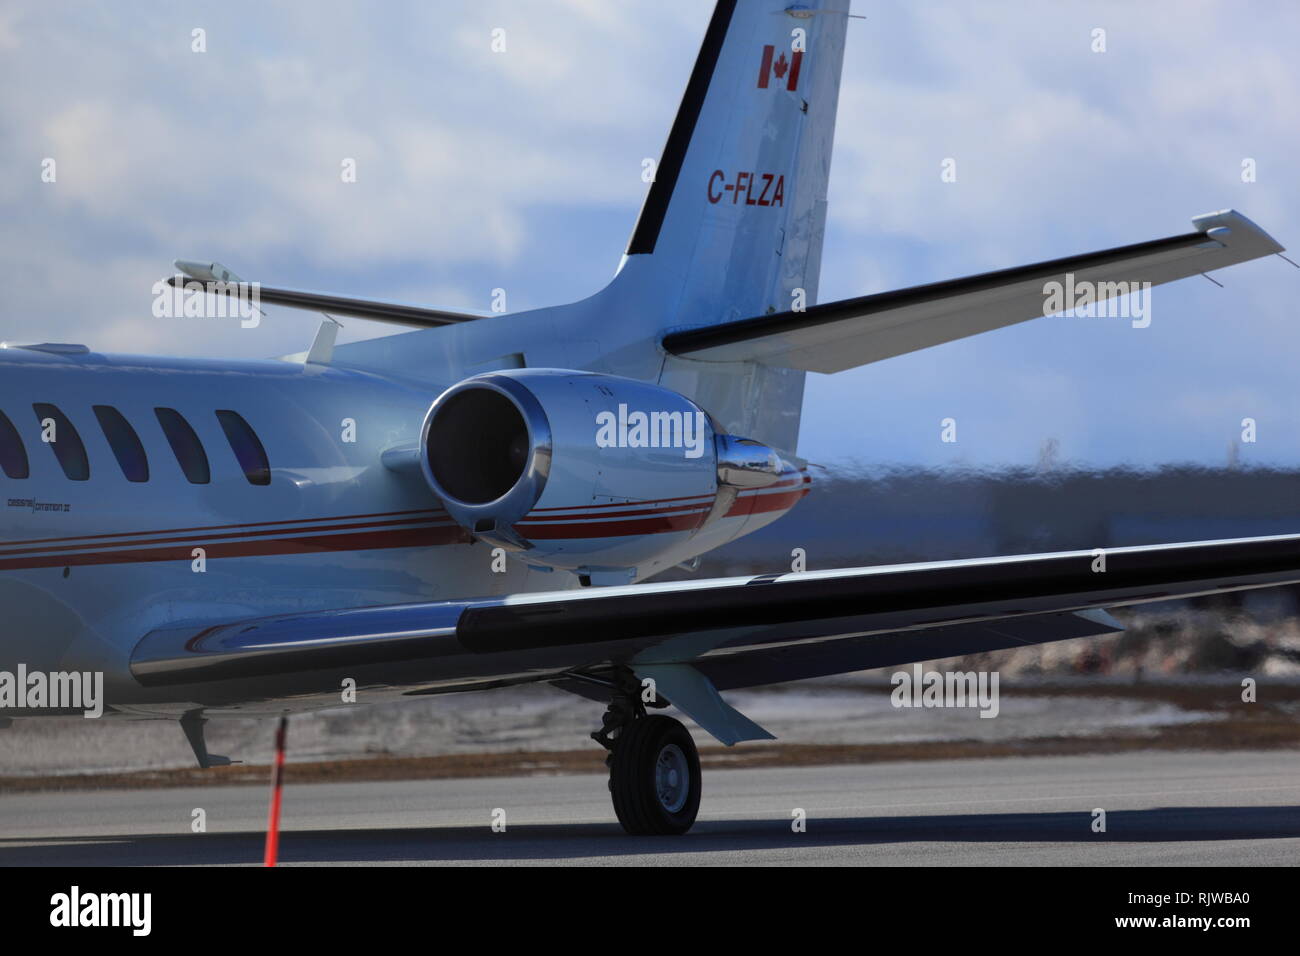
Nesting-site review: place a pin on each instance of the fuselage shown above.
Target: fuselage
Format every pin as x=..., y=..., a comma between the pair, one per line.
x=89, y=566
x=91, y=560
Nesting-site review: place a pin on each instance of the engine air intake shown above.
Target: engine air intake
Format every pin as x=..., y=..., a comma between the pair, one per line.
x=477, y=445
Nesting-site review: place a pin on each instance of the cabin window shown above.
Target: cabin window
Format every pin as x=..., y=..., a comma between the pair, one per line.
x=58, y=433
x=13, y=456
x=185, y=446
x=246, y=446
x=125, y=443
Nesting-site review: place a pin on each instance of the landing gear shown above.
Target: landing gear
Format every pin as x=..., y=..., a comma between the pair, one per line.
x=654, y=777
x=654, y=768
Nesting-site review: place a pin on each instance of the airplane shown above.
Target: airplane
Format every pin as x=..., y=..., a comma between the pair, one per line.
x=481, y=501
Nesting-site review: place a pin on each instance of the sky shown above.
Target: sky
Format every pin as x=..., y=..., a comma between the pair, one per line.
x=522, y=170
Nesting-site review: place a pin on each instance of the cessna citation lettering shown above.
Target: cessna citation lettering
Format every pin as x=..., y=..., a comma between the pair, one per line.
x=243, y=537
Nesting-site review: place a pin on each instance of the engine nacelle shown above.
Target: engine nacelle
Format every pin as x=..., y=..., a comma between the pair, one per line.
x=581, y=470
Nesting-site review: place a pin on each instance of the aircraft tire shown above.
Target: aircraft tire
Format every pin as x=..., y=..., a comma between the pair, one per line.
x=655, y=777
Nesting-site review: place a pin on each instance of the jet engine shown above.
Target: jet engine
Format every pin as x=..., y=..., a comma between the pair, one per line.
x=580, y=470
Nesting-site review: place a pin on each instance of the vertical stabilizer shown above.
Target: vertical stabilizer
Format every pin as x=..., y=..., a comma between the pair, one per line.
x=732, y=225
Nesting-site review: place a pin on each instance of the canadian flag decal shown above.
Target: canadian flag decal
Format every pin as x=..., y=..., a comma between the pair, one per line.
x=779, y=67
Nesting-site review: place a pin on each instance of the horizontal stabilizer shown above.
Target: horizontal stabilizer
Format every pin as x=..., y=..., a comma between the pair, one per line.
x=840, y=335
x=411, y=315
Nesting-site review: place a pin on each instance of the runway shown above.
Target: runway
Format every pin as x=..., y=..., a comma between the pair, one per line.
x=1239, y=808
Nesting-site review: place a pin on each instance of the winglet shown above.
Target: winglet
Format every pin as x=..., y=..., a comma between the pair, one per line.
x=1238, y=233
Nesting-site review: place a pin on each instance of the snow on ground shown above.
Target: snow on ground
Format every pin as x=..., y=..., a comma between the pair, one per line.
x=841, y=710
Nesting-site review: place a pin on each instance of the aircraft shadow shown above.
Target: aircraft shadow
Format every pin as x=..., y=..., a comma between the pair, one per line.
x=538, y=842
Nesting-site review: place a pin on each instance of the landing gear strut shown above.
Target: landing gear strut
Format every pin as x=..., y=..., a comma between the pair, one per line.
x=654, y=768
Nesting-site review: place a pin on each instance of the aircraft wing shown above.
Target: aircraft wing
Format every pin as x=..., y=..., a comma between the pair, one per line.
x=713, y=634
x=835, y=336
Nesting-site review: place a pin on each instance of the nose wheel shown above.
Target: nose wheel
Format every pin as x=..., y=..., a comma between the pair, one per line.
x=654, y=777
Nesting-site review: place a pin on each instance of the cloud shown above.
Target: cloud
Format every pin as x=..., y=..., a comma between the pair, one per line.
x=477, y=169
x=1062, y=150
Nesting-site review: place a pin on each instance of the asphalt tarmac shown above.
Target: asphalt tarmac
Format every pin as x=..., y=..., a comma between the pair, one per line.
x=1194, y=808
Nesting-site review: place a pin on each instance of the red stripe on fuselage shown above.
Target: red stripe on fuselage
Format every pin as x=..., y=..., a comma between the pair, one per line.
x=355, y=541
x=222, y=527
x=202, y=540
x=384, y=534
x=602, y=517
x=763, y=504
x=626, y=504
x=655, y=524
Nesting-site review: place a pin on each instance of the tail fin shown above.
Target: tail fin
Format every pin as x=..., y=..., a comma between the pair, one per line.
x=731, y=228
x=732, y=225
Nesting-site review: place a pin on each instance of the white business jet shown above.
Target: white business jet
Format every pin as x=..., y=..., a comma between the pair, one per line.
x=477, y=503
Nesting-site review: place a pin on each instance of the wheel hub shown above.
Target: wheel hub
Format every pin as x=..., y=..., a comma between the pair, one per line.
x=672, y=782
